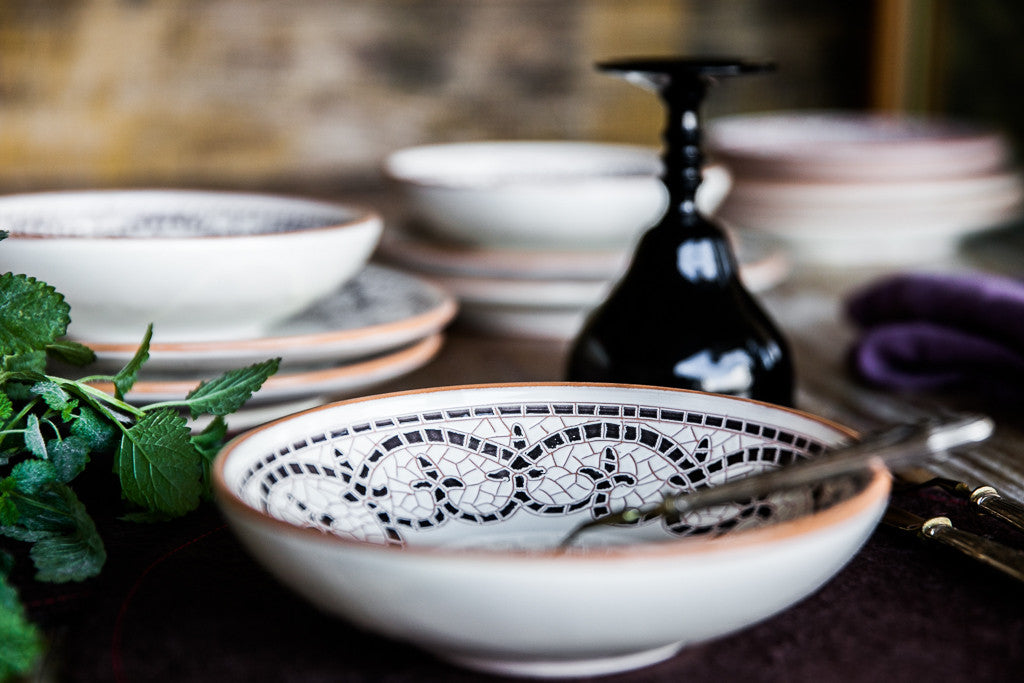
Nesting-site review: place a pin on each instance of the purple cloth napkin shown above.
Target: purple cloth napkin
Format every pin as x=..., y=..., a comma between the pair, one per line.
x=940, y=332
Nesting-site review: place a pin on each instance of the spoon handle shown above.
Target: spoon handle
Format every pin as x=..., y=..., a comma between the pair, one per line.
x=897, y=446
x=893, y=447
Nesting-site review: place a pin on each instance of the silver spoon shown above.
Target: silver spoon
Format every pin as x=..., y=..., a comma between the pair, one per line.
x=894, y=447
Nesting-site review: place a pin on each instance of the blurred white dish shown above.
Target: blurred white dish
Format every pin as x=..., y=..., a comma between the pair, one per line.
x=937, y=195
x=432, y=517
x=323, y=383
x=378, y=310
x=555, y=308
x=199, y=265
x=859, y=224
x=539, y=194
x=853, y=145
x=429, y=256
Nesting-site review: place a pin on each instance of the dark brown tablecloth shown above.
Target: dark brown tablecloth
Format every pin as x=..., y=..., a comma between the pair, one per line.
x=182, y=601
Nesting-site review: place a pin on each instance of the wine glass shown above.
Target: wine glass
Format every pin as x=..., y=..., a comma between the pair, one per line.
x=680, y=316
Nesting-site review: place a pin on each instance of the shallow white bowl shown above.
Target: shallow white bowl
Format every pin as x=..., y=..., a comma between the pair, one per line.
x=198, y=265
x=547, y=194
x=432, y=517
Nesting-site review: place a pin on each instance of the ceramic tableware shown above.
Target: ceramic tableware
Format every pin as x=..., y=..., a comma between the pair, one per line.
x=844, y=146
x=381, y=309
x=320, y=382
x=543, y=294
x=198, y=265
x=432, y=517
x=563, y=195
x=850, y=188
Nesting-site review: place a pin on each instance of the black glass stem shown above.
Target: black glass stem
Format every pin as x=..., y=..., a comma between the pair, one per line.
x=680, y=316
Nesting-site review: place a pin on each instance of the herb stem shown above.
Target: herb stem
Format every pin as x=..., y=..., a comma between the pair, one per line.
x=26, y=409
x=100, y=395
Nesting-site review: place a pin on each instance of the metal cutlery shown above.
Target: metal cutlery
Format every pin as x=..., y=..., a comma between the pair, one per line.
x=985, y=498
x=941, y=530
x=898, y=446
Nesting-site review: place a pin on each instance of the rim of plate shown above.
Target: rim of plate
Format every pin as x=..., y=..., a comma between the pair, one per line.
x=420, y=351
x=435, y=318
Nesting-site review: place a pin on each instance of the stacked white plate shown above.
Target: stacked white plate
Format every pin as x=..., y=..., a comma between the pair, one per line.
x=538, y=293
x=530, y=236
x=379, y=326
x=851, y=188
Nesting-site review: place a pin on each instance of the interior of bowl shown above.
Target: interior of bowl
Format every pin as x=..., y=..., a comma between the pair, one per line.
x=164, y=214
x=516, y=467
x=485, y=163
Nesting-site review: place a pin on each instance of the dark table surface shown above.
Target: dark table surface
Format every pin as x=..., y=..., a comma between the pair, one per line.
x=182, y=601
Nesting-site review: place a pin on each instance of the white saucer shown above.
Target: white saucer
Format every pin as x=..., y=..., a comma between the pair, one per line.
x=326, y=383
x=379, y=310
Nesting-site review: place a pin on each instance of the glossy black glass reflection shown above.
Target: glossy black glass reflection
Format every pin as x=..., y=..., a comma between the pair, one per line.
x=680, y=316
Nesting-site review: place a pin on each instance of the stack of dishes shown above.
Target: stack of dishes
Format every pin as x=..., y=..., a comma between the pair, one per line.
x=228, y=280
x=530, y=236
x=857, y=188
x=377, y=327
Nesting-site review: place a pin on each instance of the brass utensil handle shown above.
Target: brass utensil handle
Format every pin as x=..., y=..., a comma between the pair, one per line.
x=989, y=500
x=996, y=555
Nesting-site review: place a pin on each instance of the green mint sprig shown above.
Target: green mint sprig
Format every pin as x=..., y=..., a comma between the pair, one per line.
x=51, y=428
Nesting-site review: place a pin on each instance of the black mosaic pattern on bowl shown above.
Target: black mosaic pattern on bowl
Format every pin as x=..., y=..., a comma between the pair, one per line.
x=385, y=480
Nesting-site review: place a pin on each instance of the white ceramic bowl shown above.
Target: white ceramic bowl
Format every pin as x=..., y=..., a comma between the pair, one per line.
x=199, y=265
x=432, y=517
x=547, y=194
x=843, y=146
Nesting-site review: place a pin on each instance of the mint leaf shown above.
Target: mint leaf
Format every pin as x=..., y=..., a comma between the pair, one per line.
x=31, y=476
x=32, y=314
x=230, y=391
x=71, y=352
x=53, y=395
x=68, y=456
x=94, y=429
x=158, y=466
x=21, y=643
x=34, y=441
x=66, y=545
x=125, y=379
x=28, y=363
x=8, y=511
x=208, y=442
x=72, y=552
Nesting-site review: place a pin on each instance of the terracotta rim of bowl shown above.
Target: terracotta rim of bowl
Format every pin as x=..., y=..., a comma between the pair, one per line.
x=359, y=214
x=872, y=494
